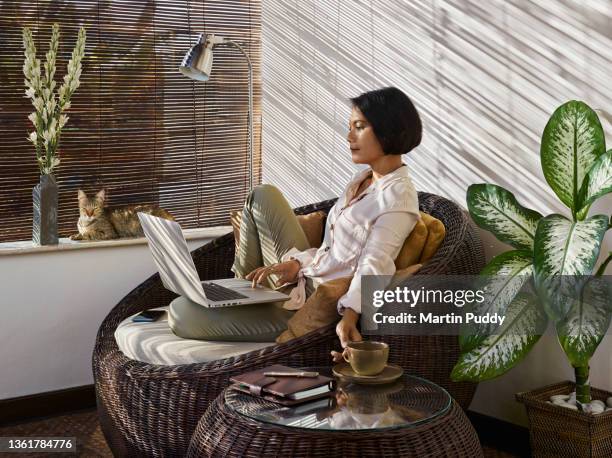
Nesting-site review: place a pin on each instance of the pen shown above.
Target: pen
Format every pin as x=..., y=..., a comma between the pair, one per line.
x=291, y=374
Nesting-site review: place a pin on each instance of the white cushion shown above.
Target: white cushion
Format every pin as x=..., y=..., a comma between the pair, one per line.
x=155, y=343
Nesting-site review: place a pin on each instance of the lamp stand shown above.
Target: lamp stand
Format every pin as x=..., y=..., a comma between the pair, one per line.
x=250, y=109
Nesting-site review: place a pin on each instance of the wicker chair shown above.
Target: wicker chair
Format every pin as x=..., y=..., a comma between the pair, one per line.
x=153, y=410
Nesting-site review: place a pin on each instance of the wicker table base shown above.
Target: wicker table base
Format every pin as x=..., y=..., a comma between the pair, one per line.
x=224, y=433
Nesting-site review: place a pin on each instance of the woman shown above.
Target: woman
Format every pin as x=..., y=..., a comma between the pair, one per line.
x=364, y=233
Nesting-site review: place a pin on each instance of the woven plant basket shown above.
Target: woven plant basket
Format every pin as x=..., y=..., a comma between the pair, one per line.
x=559, y=431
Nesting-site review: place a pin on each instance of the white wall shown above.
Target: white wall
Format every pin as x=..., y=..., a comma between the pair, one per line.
x=52, y=305
x=485, y=77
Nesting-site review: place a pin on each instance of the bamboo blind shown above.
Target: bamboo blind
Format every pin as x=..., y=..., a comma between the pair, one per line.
x=137, y=128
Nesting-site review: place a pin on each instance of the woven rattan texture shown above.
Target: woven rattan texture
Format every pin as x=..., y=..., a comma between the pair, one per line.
x=561, y=432
x=153, y=410
x=224, y=433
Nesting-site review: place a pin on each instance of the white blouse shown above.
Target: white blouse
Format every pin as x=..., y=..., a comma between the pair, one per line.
x=363, y=236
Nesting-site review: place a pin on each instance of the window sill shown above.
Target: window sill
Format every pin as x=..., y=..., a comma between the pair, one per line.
x=27, y=246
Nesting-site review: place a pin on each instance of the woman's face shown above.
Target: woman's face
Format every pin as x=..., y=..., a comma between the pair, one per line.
x=365, y=147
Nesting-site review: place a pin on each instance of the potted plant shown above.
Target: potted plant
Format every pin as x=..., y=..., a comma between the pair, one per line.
x=48, y=120
x=555, y=260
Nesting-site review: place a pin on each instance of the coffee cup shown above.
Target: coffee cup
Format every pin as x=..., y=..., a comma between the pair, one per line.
x=366, y=358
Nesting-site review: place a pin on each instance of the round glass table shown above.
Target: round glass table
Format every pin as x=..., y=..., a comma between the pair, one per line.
x=410, y=417
x=408, y=402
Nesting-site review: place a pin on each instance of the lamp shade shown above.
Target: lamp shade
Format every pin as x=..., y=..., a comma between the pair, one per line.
x=197, y=63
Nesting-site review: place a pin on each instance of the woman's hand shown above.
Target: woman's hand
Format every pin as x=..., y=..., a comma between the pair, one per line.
x=287, y=273
x=347, y=332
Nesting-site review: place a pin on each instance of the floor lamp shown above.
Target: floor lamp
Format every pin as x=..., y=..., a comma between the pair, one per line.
x=197, y=65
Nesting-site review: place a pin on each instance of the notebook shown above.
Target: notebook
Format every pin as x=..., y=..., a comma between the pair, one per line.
x=283, y=390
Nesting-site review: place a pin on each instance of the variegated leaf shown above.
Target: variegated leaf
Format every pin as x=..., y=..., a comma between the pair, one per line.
x=502, y=279
x=498, y=353
x=572, y=141
x=495, y=209
x=597, y=182
x=564, y=248
x=587, y=322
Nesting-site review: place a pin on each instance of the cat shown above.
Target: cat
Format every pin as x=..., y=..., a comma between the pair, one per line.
x=96, y=222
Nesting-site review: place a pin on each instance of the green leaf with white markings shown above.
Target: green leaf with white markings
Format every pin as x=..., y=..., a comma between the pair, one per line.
x=597, y=182
x=525, y=322
x=572, y=141
x=502, y=279
x=564, y=248
x=586, y=323
x=495, y=209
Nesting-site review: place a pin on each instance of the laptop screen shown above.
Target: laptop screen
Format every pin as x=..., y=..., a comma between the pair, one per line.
x=172, y=257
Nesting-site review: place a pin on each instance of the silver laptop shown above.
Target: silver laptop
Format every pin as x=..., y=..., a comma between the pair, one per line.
x=178, y=273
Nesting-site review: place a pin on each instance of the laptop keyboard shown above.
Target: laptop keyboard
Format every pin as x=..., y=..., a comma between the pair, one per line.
x=216, y=292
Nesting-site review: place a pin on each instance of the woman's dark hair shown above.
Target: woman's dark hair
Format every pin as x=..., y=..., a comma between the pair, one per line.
x=393, y=117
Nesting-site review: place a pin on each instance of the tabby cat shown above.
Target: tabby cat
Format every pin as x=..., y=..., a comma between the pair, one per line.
x=96, y=222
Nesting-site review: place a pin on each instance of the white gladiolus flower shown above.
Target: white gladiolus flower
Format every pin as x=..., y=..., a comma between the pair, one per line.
x=48, y=119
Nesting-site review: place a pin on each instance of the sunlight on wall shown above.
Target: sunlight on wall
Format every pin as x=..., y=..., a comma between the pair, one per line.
x=485, y=77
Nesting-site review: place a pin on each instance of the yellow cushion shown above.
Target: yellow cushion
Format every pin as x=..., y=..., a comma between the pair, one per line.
x=410, y=253
x=312, y=225
x=435, y=236
x=422, y=243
